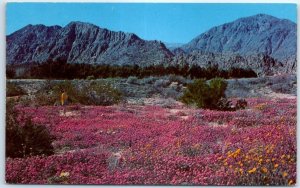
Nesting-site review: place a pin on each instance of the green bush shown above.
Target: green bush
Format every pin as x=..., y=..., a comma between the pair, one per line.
x=25, y=140
x=217, y=90
x=204, y=95
x=13, y=90
x=197, y=93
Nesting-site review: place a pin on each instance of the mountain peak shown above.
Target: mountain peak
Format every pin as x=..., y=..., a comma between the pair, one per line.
x=80, y=24
x=265, y=16
x=80, y=42
x=260, y=33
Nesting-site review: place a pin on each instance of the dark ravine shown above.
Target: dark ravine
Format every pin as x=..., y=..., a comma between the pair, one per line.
x=262, y=43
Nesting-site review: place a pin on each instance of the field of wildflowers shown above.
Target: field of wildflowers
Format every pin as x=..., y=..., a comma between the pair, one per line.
x=132, y=144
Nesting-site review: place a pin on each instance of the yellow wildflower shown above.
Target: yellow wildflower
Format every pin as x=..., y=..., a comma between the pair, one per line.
x=282, y=156
x=64, y=174
x=276, y=165
x=268, y=160
x=252, y=170
x=284, y=174
x=241, y=171
x=291, y=182
x=273, y=159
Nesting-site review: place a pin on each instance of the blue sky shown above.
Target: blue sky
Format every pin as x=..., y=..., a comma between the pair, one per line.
x=174, y=23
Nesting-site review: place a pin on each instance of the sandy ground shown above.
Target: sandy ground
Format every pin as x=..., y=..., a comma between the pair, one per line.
x=267, y=92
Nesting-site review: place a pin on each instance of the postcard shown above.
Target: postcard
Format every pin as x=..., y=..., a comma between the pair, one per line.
x=151, y=93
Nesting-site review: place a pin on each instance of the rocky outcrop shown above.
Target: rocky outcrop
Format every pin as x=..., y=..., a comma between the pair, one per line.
x=262, y=64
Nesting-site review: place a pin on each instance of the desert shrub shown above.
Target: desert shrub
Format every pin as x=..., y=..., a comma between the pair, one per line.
x=99, y=93
x=25, y=140
x=225, y=105
x=241, y=104
x=282, y=88
x=217, y=90
x=91, y=93
x=50, y=93
x=70, y=88
x=178, y=79
x=13, y=90
x=148, y=80
x=161, y=83
x=197, y=93
x=255, y=81
x=170, y=93
x=92, y=77
x=204, y=95
x=13, y=131
x=132, y=80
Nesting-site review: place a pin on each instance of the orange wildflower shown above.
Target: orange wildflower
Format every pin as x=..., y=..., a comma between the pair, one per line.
x=264, y=169
x=252, y=170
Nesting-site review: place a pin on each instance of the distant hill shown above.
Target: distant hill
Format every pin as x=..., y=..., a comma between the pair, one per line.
x=82, y=43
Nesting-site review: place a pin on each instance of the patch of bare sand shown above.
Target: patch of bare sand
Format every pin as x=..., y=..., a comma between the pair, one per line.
x=182, y=113
x=215, y=124
x=267, y=92
x=157, y=101
x=68, y=113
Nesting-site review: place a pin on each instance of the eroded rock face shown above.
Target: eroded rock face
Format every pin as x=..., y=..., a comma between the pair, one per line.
x=82, y=43
x=261, y=64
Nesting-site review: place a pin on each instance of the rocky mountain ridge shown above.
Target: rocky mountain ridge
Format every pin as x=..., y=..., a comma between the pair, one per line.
x=80, y=42
x=262, y=43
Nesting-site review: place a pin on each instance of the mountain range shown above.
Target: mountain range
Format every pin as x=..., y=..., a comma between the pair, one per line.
x=261, y=42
